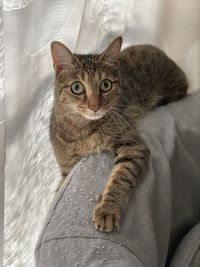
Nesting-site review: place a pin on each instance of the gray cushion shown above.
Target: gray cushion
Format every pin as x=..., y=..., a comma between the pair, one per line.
x=188, y=252
x=160, y=210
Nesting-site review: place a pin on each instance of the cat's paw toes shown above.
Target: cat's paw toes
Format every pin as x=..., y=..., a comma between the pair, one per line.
x=106, y=217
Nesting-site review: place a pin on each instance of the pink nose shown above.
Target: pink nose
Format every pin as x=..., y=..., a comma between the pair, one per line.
x=94, y=107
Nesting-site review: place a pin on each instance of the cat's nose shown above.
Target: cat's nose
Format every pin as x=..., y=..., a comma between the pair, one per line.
x=94, y=107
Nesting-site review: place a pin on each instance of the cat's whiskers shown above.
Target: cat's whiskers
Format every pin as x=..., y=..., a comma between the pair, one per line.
x=116, y=121
x=116, y=112
x=122, y=110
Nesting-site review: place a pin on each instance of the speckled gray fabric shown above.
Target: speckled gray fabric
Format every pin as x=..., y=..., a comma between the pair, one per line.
x=161, y=210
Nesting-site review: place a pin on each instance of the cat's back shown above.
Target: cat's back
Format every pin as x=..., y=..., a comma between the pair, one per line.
x=137, y=54
x=144, y=57
x=146, y=72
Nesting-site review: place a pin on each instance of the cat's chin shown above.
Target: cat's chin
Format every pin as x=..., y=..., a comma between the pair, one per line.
x=93, y=117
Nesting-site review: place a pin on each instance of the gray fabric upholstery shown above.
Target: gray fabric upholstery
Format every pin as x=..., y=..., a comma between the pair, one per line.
x=161, y=210
x=188, y=252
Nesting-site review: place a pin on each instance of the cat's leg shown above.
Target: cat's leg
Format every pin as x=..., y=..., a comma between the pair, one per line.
x=128, y=169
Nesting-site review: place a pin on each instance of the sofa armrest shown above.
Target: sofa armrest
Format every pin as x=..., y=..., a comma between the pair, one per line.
x=160, y=211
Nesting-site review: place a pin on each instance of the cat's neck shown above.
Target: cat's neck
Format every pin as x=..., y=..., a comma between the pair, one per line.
x=78, y=127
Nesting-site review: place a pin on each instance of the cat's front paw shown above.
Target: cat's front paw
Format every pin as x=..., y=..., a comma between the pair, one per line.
x=106, y=216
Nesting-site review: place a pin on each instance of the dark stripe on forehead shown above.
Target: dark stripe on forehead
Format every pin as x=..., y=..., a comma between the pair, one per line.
x=82, y=74
x=88, y=63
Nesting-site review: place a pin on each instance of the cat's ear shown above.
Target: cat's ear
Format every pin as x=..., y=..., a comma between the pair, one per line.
x=61, y=56
x=112, y=53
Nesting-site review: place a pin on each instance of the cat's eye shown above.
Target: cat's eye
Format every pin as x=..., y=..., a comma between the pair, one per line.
x=105, y=85
x=77, y=88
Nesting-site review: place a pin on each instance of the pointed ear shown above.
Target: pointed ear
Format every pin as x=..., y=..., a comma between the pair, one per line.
x=61, y=56
x=112, y=52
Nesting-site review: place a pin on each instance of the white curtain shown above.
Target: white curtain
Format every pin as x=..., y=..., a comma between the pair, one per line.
x=2, y=137
x=26, y=85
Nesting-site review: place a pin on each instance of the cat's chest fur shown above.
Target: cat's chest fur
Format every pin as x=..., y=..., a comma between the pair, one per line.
x=67, y=150
x=93, y=143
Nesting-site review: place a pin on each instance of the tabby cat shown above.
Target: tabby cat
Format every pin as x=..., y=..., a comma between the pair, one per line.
x=98, y=99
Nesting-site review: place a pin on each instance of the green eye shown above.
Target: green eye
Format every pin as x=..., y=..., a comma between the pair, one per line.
x=105, y=85
x=77, y=88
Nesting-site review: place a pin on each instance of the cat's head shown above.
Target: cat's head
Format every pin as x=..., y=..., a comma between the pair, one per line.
x=86, y=85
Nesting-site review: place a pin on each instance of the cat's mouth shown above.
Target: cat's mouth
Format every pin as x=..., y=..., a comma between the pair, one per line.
x=90, y=114
x=93, y=116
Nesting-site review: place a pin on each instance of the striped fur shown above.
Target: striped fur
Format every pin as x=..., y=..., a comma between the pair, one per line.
x=143, y=77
